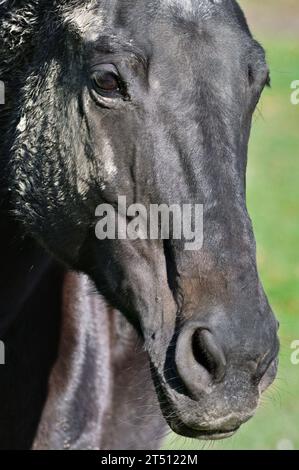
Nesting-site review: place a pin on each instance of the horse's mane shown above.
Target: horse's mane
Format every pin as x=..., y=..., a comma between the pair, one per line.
x=19, y=26
x=17, y=23
x=18, y=20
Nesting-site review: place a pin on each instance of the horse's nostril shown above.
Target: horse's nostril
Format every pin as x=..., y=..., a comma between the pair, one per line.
x=200, y=360
x=208, y=353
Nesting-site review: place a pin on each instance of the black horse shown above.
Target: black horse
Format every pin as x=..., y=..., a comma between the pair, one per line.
x=152, y=100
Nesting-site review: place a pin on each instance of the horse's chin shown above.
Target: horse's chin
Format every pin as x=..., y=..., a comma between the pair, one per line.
x=202, y=435
x=202, y=419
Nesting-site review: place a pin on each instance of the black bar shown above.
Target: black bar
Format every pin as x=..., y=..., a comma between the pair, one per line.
x=136, y=459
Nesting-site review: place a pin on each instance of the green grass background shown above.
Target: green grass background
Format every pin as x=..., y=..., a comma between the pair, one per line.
x=273, y=200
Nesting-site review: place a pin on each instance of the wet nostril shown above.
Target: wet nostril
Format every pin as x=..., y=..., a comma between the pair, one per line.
x=209, y=354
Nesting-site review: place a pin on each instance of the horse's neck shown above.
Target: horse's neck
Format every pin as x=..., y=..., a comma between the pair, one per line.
x=98, y=348
x=30, y=312
x=23, y=265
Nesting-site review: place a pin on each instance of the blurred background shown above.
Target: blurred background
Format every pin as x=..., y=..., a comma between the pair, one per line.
x=273, y=200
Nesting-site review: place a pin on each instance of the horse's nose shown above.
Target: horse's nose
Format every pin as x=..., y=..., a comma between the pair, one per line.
x=200, y=359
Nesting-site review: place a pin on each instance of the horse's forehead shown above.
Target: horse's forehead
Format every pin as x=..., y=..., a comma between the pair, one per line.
x=202, y=7
x=93, y=15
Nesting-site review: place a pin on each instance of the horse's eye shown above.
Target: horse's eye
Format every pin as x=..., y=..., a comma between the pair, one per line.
x=106, y=80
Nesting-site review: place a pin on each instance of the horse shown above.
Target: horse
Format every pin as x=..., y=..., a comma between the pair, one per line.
x=108, y=340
